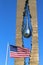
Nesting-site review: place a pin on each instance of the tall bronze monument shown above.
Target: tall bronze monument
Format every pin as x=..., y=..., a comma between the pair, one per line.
x=34, y=58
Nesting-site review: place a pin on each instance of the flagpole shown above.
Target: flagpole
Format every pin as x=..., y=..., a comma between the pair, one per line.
x=7, y=54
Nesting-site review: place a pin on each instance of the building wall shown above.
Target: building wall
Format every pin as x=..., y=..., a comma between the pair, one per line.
x=19, y=19
x=34, y=59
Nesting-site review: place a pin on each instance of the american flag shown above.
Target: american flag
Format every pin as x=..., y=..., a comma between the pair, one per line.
x=19, y=52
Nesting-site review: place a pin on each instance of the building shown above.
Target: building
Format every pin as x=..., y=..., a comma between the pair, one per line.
x=34, y=59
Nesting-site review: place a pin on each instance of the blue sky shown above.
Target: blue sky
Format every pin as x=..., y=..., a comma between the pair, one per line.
x=40, y=29
x=8, y=28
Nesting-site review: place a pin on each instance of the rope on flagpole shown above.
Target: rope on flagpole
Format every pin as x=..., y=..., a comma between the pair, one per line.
x=7, y=54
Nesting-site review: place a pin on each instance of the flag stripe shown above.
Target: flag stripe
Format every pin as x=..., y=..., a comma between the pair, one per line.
x=20, y=52
x=19, y=55
x=23, y=49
